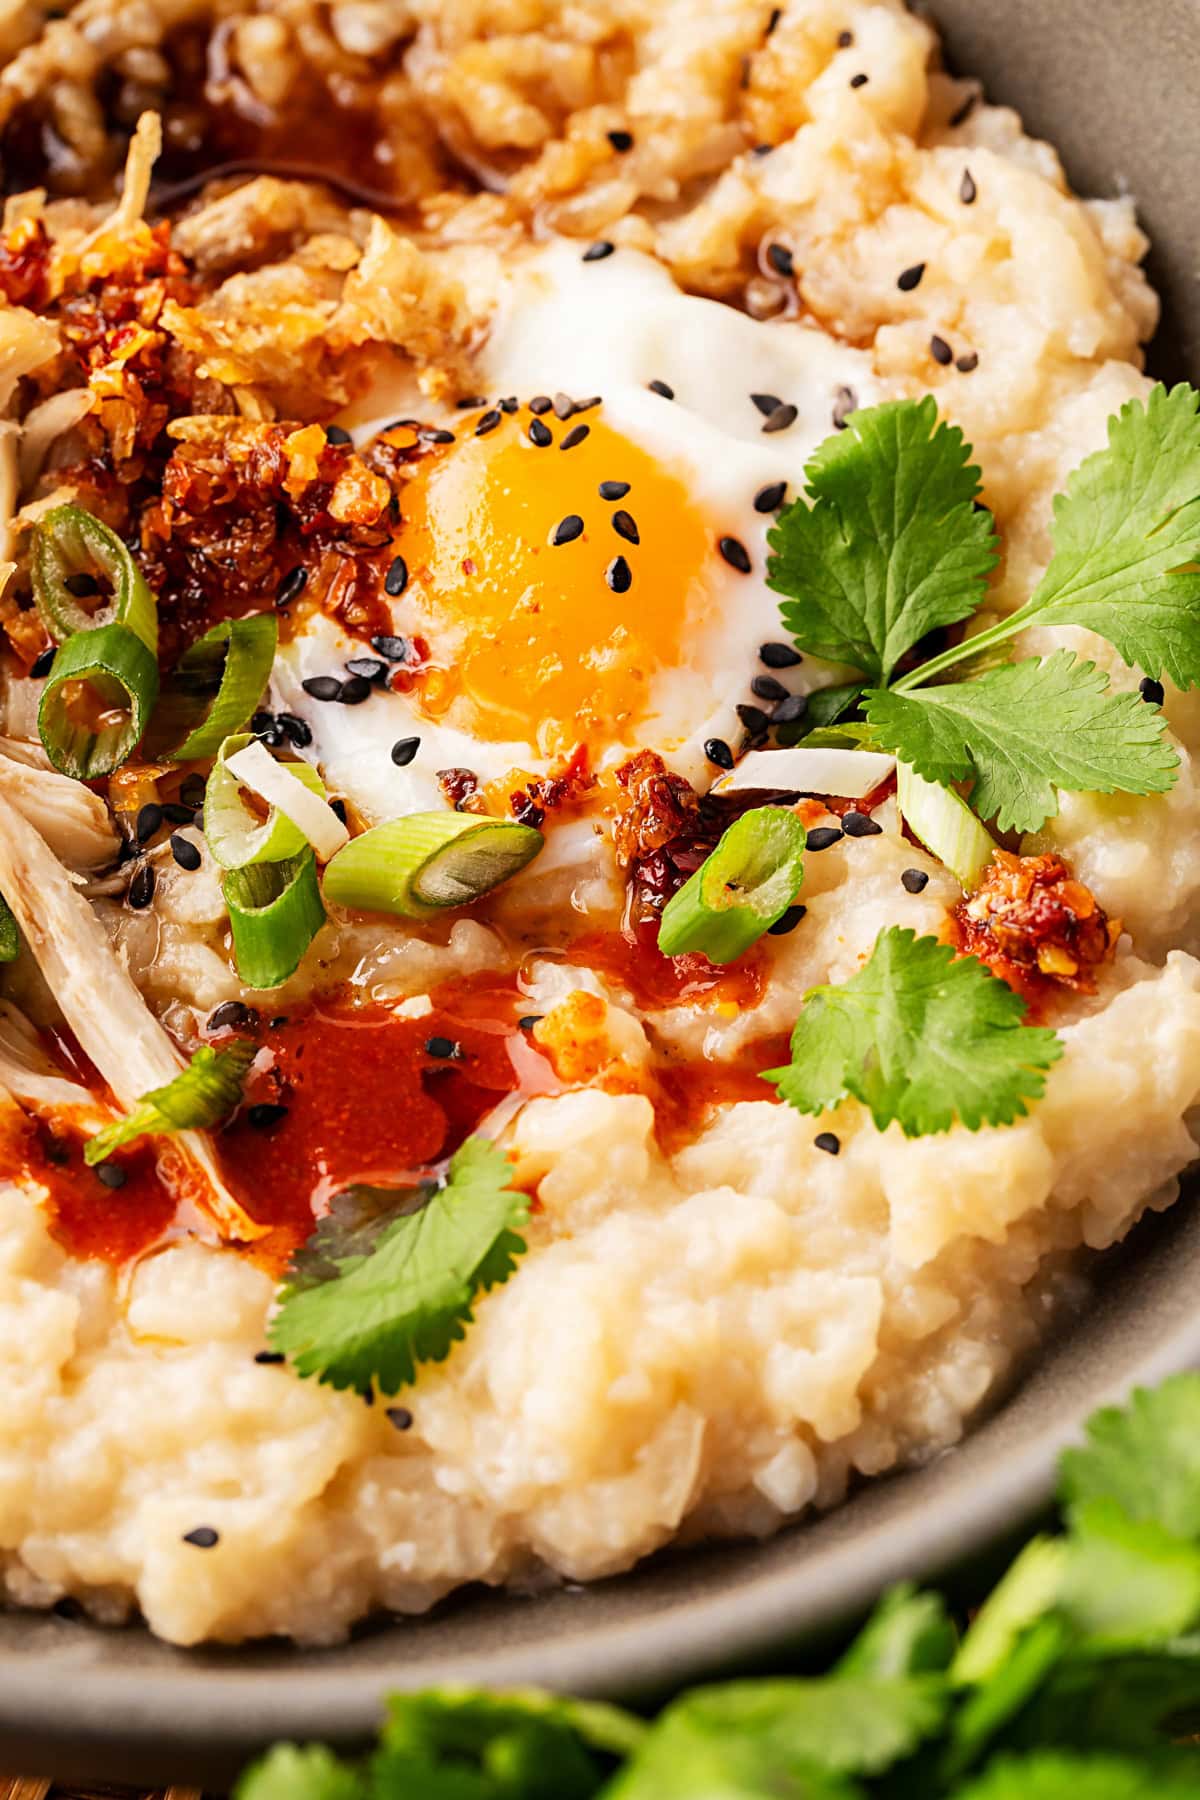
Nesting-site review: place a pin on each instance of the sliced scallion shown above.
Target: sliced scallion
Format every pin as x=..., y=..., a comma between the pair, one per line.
x=236, y=836
x=277, y=784
x=97, y=700
x=945, y=825
x=10, y=936
x=426, y=862
x=199, y=1097
x=73, y=550
x=214, y=688
x=739, y=892
x=275, y=912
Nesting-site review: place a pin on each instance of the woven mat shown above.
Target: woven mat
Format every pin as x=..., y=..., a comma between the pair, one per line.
x=21, y=1787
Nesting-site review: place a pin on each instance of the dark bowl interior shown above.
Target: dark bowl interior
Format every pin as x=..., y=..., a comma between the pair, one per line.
x=1115, y=89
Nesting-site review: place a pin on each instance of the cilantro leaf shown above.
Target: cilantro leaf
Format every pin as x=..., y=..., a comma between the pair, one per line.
x=920, y=1038
x=909, y=1633
x=292, y=1772
x=1049, y=1775
x=1124, y=530
x=746, y=1739
x=1021, y=731
x=1144, y=1456
x=1139, y=1701
x=1127, y=1582
x=891, y=545
x=407, y=1299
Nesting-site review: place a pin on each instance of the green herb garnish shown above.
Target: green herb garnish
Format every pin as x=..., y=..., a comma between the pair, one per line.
x=198, y=1098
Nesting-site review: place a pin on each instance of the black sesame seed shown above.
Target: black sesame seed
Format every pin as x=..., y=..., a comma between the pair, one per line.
x=509, y=404
x=176, y=813
x=392, y=649
x=294, y=729
x=967, y=191
x=369, y=667
x=772, y=22
x=762, y=149
x=781, y=418
x=587, y=405
x=754, y=719
x=621, y=141
x=337, y=434
x=567, y=530
x=613, y=490
x=112, y=1175
x=396, y=579
x=279, y=1020
x=718, y=753
x=489, y=422
x=403, y=751
x=541, y=403
x=857, y=81
x=443, y=1049
x=540, y=434
x=264, y=1114
x=967, y=362
x=789, y=710
x=262, y=724
x=470, y=402
x=439, y=436
x=781, y=260
x=914, y=881
x=338, y=809
x=149, y=820
x=81, y=585
x=940, y=350
x=191, y=791
x=599, y=250
x=141, y=888
x=908, y=279
x=619, y=575
x=185, y=852
x=827, y=1141
x=291, y=586
x=845, y=39
x=821, y=837
x=232, y=1015
x=787, y=921
x=766, y=403
x=735, y=554
x=43, y=662
x=625, y=526
x=322, y=687
x=661, y=387
x=563, y=405
x=857, y=824
x=529, y=1020
x=354, y=690
x=203, y=1537
x=1151, y=691
x=267, y=1357
x=845, y=404
x=575, y=436
x=963, y=113
x=779, y=656
x=768, y=499
x=399, y=1416
x=767, y=688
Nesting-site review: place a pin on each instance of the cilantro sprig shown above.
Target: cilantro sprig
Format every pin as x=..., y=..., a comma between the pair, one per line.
x=886, y=545
x=370, y=1296
x=920, y=1039
x=1077, y=1679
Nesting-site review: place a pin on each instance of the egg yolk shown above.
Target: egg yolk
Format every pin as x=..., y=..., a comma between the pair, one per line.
x=549, y=608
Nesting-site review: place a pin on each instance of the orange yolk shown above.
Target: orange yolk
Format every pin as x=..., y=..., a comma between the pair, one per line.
x=537, y=640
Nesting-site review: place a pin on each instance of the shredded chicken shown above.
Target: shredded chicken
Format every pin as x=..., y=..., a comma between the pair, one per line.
x=30, y=1076
x=99, y=1001
x=73, y=820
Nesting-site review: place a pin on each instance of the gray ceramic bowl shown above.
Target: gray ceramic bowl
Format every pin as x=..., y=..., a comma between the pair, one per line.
x=1114, y=87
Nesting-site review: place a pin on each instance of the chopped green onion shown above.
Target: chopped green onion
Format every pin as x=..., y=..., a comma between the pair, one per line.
x=276, y=784
x=421, y=864
x=945, y=825
x=236, y=837
x=69, y=544
x=97, y=700
x=275, y=911
x=10, y=936
x=214, y=688
x=199, y=1097
x=739, y=892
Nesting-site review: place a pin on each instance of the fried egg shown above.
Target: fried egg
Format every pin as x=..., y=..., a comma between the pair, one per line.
x=586, y=570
